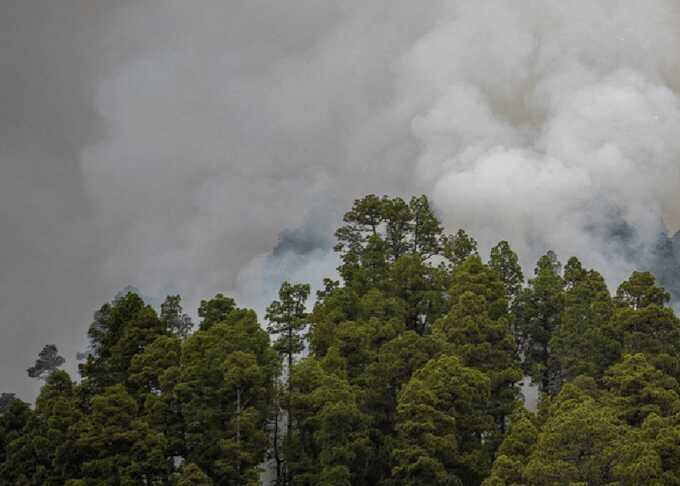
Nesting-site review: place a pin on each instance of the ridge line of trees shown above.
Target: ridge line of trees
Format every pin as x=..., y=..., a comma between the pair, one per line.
x=407, y=370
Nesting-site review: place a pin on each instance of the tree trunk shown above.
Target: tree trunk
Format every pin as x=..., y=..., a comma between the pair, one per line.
x=277, y=455
x=289, y=418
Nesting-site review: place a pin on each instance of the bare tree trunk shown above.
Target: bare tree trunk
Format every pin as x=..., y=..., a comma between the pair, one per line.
x=289, y=418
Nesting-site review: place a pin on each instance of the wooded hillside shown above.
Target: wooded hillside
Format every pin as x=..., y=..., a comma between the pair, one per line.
x=405, y=371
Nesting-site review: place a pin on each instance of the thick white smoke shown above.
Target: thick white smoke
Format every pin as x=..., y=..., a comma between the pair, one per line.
x=548, y=123
x=173, y=145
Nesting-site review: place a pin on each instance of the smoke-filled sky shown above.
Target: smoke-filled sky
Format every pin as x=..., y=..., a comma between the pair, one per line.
x=213, y=146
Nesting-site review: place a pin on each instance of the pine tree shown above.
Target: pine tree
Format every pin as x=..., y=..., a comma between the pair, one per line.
x=192, y=475
x=506, y=264
x=440, y=425
x=514, y=452
x=43, y=453
x=581, y=344
x=6, y=400
x=17, y=463
x=420, y=287
x=120, y=331
x=536, y=315
x=153, y=378
x=329, y=443
x=642, y=324
x=459, y=247
x=482, y=341
x=394, y=364
x=640, y=290
x=637, y=389
x=288, y=318
x=407, y=376
x=47, y=363
x=172, y=315
x=116, y=446
x=577, y=444
x=225, y=392
x=215, y=310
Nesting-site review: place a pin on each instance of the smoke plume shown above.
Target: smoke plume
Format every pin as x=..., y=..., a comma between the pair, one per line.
x=214, y=146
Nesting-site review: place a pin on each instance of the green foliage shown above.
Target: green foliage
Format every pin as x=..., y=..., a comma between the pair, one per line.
x=506, y=264
x=116, y=446
x=6, y=400
x=215, y=310
x=426, y=228
x=225, y=394
x=395, y=363
x=329, y=441
x=537, y=314
x=405, y=372
x=57, y=414
x=120, y=331
x=153, y=371
x=440, y=422
x=577, y=444
x=642, y=325
x=404, y=228
x=652, y=454
x=288, y=318
x=175, y=320
x=581, y=344
x=14, y=426
x=192, y=475
x=638, y=389
x=515, y=450
x=459, y=247
x=418, y=286
x=640, y=290
x=154, y=375
x=583, y=440
x=334, y=305
x=48, y=361
x=42, y=453
x=478, y=329
x=476, y=277
x=380, y=231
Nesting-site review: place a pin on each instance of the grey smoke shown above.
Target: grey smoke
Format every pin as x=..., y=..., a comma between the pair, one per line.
x=301, y=254
x=174, y=145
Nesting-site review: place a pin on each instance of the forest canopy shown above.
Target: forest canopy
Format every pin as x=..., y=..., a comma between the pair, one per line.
x=407, y=370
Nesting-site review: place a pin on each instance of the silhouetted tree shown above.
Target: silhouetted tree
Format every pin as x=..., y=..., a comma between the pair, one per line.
x=48, y=361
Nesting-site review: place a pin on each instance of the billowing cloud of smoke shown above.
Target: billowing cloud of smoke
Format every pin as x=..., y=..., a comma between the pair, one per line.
x=551, y=124
x=179, y=144
x=245, y=122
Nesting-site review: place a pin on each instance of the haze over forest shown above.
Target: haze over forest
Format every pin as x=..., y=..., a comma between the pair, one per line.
x=191, y=150
x=409, y=369
x=339, y=239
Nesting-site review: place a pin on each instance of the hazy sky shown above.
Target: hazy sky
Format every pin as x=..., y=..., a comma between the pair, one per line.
x=173, y=145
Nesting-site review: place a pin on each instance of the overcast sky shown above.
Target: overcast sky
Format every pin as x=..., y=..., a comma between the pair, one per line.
x=208, y=146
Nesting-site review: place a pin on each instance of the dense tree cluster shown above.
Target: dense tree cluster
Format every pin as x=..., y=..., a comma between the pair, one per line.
x=405, y=371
